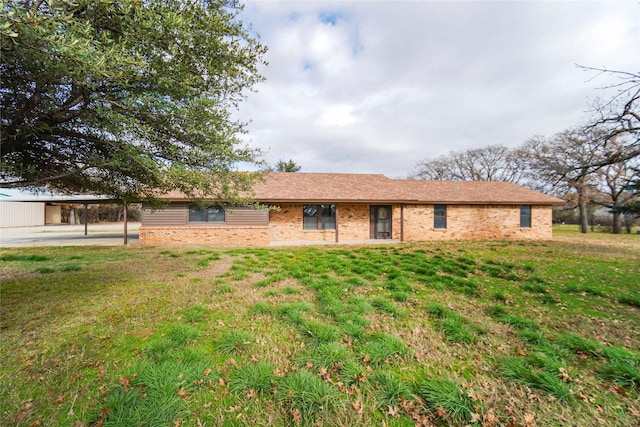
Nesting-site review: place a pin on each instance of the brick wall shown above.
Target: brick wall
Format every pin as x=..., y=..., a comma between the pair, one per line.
x=205, y=235
x=482, y=222
x=286, y=225
x=353, y=221
x=464, y=222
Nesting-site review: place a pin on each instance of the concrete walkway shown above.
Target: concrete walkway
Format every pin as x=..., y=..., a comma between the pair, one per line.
x=112, y=234
x=331, y=242
x=102, y=234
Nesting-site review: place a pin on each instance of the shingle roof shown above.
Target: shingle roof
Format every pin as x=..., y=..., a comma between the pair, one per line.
x=335, y=188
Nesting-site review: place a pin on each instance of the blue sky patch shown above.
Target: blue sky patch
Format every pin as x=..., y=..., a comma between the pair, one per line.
x=330, y=17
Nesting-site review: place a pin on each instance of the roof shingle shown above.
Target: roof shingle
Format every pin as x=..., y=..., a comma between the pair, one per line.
x=291, y=187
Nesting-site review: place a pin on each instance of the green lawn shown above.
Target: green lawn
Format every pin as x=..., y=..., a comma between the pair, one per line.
x=454, y=333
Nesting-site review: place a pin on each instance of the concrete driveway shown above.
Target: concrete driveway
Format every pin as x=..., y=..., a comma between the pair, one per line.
x=103, y=234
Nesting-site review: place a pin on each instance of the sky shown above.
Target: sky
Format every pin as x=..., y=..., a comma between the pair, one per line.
x=376, y=86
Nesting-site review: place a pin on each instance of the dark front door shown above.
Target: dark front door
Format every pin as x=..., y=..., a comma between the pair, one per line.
x=380, y=222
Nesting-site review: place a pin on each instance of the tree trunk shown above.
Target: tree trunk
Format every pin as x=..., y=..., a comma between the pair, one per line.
x=584, y=218
x=628, y=223
x=73, y=217
x=617, y=223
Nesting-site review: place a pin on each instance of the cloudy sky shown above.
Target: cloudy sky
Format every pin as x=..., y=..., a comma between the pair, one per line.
x=375, y=86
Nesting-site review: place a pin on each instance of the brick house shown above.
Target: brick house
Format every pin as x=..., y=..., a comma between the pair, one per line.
x=327, y=207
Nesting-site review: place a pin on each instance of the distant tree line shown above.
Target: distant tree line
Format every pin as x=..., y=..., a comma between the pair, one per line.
x=598, y=163
x=73, y=214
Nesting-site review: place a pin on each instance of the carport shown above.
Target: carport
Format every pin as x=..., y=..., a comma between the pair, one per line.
x=78, y=199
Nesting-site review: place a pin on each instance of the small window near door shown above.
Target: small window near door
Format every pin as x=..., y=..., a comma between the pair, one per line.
x=525, y=216
x=206, y=214
x=440, y=216
x=319, y=217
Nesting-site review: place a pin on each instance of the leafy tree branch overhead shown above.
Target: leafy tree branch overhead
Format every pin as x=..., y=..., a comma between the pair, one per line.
x=125, y=97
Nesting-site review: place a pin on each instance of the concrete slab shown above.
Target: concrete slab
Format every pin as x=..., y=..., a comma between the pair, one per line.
x=341, y=242
x=112, y=234
x=103, y=234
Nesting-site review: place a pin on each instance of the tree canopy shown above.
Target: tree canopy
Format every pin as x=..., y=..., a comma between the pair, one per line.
x=125, y=97
x=491, y=163
x=288, y=166
x=620, y=113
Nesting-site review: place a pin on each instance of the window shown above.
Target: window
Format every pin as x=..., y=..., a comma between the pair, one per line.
x=319, y=217
x=206, y=214
x=525, y=216
x=440, y=216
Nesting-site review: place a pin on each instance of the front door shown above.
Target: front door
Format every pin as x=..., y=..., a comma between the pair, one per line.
x=380, y=222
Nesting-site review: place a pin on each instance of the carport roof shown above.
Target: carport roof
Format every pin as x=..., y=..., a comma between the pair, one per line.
x=17, y=195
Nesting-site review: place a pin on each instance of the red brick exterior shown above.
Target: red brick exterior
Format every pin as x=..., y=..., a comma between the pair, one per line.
x=205, y=235
x=410, y=223
x=414, y=223
x=476, y=222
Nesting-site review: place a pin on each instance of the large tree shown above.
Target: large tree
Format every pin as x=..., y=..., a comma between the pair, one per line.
x=619, y=114
x=492, y=163
x=617, y=183
x=631, y=207
x=566, y=164
x=125, y=97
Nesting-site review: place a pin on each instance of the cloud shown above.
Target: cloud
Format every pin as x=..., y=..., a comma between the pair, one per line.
x=376, y=86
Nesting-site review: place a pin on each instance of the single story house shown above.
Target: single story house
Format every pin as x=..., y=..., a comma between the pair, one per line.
x=331, y=207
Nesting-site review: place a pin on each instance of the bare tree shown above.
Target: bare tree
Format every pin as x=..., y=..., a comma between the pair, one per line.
x=492, y=163
x=566, y=163
x=619, y=115
x=616, y=180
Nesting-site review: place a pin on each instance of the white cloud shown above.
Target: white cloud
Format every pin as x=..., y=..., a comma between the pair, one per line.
x=338, y=115
x=377, y=86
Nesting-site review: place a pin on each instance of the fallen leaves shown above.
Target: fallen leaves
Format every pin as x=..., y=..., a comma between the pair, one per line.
x=565, y=376
x=529, y=419
x=126, y=381
x=392, y=411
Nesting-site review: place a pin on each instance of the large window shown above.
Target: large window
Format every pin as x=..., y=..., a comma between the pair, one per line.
x=206, y=214
x=440, y=216
x=525, y=216
x=319, y=217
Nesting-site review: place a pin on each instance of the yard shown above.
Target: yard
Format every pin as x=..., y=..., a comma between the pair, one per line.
x=451, y=333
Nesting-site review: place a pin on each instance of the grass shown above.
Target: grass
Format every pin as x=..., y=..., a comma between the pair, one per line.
x=389, y=390
x=450, y=333
x=307, y=398
x=455, y=327
x=257, y=377
x=447, y=399
x=235, y=342
x=538, y=372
